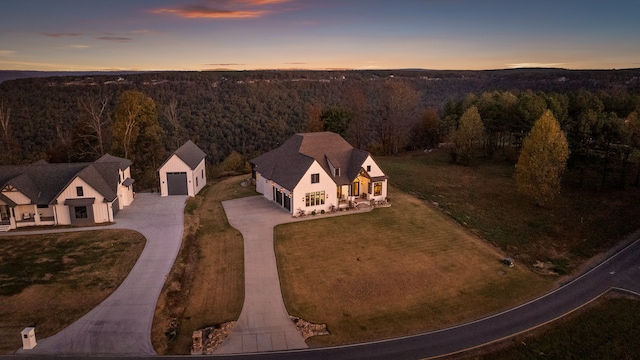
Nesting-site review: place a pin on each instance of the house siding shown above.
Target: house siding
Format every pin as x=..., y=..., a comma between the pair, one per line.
x=17, y=197
x=202, y=180
x=102, y=211
x=375, y=172
x=305, y=186
x=125, y=195
x=175, y=164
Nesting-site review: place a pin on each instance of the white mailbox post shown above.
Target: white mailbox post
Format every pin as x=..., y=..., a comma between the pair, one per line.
x=28, y=338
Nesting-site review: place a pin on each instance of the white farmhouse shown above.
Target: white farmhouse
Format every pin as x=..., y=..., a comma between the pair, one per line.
x=318, y=171
x=183, y=173
x=64, y=193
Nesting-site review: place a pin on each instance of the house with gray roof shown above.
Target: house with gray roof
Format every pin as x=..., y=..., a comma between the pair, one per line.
x=65, y=193
x=183, y=173
x=318, y=171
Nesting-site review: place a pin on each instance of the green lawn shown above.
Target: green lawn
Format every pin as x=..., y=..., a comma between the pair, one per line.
x=206, y=284
x=393, y=271
x=49, y=281
x=578, y=225
x=607, y=329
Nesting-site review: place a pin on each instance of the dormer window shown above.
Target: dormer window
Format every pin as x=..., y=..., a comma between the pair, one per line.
x=336, y=172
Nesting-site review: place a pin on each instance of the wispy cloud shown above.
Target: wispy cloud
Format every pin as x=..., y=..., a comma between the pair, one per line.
x=79, y=46
x=222, y=9
x=59, y=35
x=115, y=38
x=534, y=65
x=6, y=52
x=226, y=64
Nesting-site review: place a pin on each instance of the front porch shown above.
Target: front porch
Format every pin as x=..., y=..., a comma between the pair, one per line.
x=28, y=215
x=363, y=191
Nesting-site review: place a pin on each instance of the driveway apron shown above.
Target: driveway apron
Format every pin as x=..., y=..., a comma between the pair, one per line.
x=121, y=324
x=264, y=324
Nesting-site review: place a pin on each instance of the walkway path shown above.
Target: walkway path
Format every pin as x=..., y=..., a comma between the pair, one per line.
x=264, y=324
x=121, y=324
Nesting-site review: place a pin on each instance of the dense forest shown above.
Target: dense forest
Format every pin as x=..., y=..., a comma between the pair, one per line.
x=74, y=117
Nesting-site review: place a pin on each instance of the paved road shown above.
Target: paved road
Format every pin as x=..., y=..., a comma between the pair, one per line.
x=121, y=324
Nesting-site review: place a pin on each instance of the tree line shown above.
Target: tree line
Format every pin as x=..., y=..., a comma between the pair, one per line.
x=79, y=118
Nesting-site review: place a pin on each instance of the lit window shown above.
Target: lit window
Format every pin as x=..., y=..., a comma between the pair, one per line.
x=314, y=198
x=377, y=188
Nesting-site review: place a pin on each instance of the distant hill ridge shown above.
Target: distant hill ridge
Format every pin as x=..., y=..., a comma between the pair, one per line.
x=6, y=75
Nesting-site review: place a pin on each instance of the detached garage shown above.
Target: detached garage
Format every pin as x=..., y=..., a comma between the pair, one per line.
x=184, y=172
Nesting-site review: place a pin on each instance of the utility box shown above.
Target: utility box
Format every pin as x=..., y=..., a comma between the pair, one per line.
x=28, y=338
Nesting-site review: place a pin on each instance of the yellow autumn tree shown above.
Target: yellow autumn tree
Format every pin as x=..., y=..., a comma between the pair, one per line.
x=542, y=160
x=468, y=136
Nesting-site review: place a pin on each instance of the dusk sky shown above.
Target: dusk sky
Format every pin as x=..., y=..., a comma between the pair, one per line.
x=74, y=35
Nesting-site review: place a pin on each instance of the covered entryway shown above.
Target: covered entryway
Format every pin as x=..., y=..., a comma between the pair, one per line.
x=177, y=183
x=80, y=211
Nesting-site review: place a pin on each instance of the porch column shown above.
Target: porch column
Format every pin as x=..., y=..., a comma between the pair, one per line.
x=12, y=217
x=36, y=214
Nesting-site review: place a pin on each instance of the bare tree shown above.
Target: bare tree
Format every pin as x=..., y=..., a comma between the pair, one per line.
x=397, y=113
x=171, y=113
x=96, y=122
x=355, y=100
x=5, y=115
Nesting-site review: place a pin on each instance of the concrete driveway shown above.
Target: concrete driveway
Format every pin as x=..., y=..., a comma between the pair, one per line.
x=121, y=324
x=264, y=324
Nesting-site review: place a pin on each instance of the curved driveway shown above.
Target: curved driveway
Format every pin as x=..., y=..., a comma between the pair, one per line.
x=264, y=324
x=121, y=324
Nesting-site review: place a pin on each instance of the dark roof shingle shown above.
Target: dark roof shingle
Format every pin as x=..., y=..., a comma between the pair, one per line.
x=287, y=164
x=191, y=154
x=43, y=182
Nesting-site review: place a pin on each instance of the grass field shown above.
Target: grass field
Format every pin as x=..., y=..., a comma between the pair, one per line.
x=206, y=284
x=393, y=271
x=50, y=281
x=606, y=329
x=578, y=225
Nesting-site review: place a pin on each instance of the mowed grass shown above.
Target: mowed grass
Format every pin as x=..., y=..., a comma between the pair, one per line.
x=49, y=281
x=578, y=225
x=206, y=284
x=607, y=329
x=392, y=272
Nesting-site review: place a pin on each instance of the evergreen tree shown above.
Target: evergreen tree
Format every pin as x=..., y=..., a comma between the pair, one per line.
x=543, y=159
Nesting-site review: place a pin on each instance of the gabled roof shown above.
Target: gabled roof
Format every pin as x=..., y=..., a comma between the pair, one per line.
x=122, y=162
x=287, y=164
x=42, y=182
x=190, y=153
